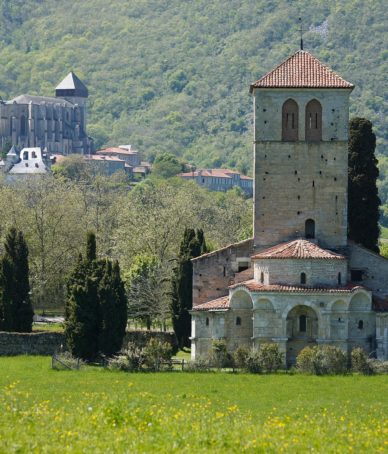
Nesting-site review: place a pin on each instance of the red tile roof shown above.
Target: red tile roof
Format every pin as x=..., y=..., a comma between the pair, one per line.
x=220, y=173
x=217, y=304
x=117, y=150
x=94, y=157
x=253, y=286
x=302, y=70
x=297, y=249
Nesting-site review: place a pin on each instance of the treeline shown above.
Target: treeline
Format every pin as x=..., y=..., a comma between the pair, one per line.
x=169, y=76
x=141, y=228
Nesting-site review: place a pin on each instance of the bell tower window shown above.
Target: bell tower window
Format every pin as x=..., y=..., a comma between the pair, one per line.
x=309, y=228
x=313, y=121
x=290, y=121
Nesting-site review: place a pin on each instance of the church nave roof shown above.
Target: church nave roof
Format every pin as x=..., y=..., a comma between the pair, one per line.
x=298, y=249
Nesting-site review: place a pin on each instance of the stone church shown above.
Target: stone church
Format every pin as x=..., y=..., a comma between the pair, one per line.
x=54, y=124
x=299, y=281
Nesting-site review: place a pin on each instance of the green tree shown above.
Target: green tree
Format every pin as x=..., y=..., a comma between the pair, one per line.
x=82, y=323
x=192, y=245
x=166, y=165
x=147, y=290
x=16, y=309
x=113, y=309
x=363, y=200
x=96, y=308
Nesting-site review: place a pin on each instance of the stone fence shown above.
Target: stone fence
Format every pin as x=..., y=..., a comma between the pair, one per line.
x=46, y=343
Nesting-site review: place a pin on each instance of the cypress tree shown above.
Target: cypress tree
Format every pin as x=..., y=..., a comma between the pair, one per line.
x=7, y=321
x=96, y=308
x=113, y=309
x=82, y=325
x=82, y=313
x=91, y=247
x=182, y=285
x=16, y=309
x=363, y=200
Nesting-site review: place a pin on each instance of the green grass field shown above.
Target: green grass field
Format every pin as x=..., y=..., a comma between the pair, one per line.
x=100, y=411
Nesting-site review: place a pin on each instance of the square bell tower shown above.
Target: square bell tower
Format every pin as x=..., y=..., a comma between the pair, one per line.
x=301, y=116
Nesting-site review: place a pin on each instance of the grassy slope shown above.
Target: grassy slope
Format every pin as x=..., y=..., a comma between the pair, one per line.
x=102, y=411
x=173, y=76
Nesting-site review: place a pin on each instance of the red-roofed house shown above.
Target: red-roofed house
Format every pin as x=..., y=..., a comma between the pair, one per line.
x=220, y=180
x=299, y=281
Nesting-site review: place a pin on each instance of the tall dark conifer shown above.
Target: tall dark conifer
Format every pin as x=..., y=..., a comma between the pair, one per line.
x=96, y=309
x=363, y=200
x=193, y=245
x=16, y=308
x=113, y=309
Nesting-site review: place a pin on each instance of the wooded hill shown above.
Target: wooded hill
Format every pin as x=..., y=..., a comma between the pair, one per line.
x=173, y=75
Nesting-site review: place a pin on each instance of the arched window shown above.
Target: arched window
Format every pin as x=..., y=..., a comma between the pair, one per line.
x=309, y=228
x=23, y=125
x=207, y=321
x=339, y=279
x=302, y=278
x=262, y=278
x=238, y=321
x=302, y=323
x=313, y=129
x=360, y=324
x=290, y=121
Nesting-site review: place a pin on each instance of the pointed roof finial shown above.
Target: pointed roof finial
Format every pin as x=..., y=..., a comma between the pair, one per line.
x=301, y=30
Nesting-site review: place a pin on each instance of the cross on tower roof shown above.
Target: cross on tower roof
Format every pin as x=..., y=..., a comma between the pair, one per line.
x=301, y=30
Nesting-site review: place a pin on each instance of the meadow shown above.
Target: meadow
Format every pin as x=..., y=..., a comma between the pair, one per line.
x=97, y=410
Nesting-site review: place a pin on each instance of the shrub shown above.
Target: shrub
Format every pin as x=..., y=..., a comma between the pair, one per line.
x=129, y=359
x=359, y=361
x=119, y=362
x=219, y=356
x=253, y=362
x=155, y=353
x=378, y=367
x=240, y=356
x=270, y=357
x=66, y=361
x=305, y=361
x=199, y=365
x=322, y=360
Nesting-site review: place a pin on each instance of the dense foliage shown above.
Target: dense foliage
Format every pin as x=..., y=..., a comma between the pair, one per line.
x=55, y=213
x=363, y=206
x=173, y=76
x=193, y=245
x=16, y=311
x=96, y=307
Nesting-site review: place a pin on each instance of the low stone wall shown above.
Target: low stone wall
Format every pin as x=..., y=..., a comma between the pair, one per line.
x=46, y=343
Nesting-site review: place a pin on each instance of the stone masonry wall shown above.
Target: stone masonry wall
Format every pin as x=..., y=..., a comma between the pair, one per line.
x=374, y=266
x=296, y=181
x=46, y=343
x=30, y=344
x=288, y=271
x=215, y=271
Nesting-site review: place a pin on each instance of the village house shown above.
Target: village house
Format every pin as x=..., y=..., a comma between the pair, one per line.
x=220, y=180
